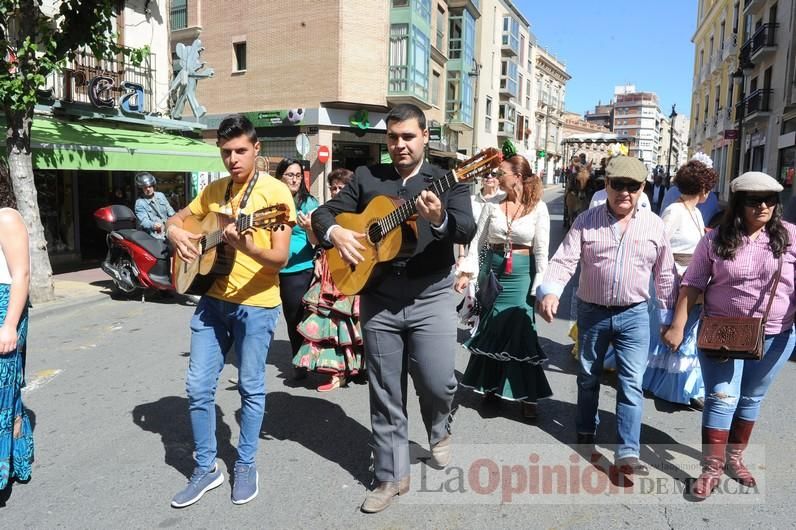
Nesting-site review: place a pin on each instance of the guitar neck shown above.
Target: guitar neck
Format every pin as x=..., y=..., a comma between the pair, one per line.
x=408, y=208
x=213, y=239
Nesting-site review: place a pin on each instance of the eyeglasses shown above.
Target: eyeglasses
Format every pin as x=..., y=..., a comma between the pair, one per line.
x=622, y=185
x=755, y=201
x=495, y=174
x=291, y=176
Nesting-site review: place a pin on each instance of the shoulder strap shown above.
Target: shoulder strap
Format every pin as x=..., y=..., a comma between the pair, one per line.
x=773, y=289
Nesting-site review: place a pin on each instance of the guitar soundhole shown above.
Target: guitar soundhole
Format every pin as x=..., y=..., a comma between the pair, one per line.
x=374, y=233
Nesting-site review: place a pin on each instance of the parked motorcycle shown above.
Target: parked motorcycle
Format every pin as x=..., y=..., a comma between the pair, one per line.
x=136, y=261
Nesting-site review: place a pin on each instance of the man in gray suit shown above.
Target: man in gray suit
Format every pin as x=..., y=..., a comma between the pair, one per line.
x=408, y=312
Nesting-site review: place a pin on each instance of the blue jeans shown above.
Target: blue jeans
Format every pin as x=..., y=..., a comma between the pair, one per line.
x=628, y=330
x=736, y=388
x=215, y=327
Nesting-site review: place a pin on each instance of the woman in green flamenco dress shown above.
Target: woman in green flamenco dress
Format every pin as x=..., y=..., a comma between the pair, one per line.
x=330, y=327
x=506, y=358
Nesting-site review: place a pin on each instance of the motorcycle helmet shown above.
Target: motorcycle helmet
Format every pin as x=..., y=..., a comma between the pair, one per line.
x=144, y=179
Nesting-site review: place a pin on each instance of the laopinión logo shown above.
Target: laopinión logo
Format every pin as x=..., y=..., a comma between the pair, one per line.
x=561, y=474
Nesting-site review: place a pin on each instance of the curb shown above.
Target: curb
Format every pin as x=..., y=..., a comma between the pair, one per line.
x=54, y=306
x=69, y=294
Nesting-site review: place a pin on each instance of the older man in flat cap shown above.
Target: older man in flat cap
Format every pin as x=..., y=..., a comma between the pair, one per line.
x=619, y=248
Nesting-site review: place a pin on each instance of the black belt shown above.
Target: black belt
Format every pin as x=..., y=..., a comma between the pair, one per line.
x=614, y=307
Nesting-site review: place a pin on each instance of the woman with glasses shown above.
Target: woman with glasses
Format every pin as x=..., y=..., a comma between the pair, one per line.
x=16, y=436
x=675, y=376
x=332, y=336
x=295, y=278
x=735, y=267
x=506, y=358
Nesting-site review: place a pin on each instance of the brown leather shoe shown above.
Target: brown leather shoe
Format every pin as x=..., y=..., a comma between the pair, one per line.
x=631, y=465
x=441, y=452
x=381, y=496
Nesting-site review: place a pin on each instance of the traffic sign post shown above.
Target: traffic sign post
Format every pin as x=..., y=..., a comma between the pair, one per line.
x=324, y=154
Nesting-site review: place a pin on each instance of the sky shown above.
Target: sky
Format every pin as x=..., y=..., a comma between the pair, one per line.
x=646, y=43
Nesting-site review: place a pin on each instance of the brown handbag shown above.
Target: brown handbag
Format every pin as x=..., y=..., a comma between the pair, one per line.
x=736, y=337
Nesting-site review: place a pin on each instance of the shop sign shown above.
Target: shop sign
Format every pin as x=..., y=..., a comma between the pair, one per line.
x=731, y=134
x=435, y=134
x=276, y=118
x=103, y=89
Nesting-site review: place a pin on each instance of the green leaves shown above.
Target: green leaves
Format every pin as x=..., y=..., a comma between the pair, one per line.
x=43, y=42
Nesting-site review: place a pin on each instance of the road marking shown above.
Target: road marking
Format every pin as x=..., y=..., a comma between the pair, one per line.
x=41, y=378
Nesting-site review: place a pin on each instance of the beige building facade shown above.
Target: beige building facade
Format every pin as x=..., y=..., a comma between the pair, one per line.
x=549, y=78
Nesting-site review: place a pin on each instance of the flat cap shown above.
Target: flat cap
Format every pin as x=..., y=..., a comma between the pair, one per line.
x=626, y=167
x=755, y=181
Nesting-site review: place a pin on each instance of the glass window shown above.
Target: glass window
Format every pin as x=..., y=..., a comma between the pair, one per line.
x=421, y=54
x=179, y=14
x=508, y=78
x=511, y=34
x=400, y=3
x=435, y=88
x=528, y=93
x=488, y=115
x=423, y=8
x=455, y=34
x=399, y=57
x=440, y=40
x=240, y=56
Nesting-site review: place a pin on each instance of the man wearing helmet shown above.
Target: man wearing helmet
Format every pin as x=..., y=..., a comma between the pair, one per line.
x=153, y=208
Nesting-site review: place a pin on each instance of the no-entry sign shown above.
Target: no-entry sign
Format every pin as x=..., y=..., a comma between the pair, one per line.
x=323, y=154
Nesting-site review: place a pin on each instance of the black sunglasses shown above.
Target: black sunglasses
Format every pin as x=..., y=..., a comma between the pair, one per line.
x=622, y=185
x=754, y=201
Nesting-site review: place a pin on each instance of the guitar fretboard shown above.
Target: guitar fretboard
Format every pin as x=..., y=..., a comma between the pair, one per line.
x=408, y=208
x=213, y=239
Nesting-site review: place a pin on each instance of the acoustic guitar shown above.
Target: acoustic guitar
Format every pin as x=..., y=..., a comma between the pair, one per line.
x=383, y=215
x=216, y=257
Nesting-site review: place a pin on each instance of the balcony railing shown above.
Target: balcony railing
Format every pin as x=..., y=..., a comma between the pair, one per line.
x=763, y=39
x=757, y=102
x=74, y=82
x=730, y=45
x=399, y=78
x=179, y=16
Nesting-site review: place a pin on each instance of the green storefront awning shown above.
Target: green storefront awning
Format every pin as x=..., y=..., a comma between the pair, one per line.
x=59, y=144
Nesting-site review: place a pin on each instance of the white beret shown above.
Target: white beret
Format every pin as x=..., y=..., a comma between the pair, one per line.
x=755, y=181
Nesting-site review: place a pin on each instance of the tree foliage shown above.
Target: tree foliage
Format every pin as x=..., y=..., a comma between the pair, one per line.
x=37, y=37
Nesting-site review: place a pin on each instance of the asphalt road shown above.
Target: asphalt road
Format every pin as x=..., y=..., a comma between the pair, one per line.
x=113, y=443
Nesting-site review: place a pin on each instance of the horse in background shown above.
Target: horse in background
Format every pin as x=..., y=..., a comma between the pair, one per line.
x=578, y=193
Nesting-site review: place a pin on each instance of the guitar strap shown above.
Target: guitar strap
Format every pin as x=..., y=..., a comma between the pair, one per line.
x=246, y=194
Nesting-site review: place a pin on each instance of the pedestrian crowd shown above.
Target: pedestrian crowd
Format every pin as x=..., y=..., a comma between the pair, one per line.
x=649, y=273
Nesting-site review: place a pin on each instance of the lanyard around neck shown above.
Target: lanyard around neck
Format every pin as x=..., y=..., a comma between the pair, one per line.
x=246, y=194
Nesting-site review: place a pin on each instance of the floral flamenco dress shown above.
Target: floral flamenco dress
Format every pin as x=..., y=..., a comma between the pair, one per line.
x=16, y=436
x=332, y=336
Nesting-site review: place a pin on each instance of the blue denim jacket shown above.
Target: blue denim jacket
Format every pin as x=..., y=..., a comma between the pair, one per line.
x=149, y=212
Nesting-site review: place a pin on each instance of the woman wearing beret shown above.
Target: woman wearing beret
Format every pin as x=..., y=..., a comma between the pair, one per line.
x=735, y=267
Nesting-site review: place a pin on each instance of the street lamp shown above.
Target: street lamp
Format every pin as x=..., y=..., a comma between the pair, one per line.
x=672, y=116
x=739, y=75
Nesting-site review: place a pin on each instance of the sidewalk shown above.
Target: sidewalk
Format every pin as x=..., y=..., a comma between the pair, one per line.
x=74, y=289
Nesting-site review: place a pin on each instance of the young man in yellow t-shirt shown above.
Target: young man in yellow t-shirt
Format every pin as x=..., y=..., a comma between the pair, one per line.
x=241, y=309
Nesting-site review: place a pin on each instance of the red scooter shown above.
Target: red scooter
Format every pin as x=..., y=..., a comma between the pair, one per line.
x=136, y=261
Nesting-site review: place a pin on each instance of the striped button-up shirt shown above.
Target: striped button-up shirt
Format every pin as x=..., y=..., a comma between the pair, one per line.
x=615, y=267
x=740, y=287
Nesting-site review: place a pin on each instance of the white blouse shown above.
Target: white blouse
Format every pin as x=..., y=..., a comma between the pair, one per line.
x=685, y=229
x=532, y=230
